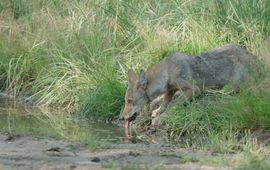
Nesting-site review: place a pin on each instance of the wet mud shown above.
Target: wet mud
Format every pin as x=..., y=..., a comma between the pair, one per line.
x=28, y=152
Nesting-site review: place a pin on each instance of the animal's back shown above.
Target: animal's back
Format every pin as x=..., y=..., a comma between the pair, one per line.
x=211, y=69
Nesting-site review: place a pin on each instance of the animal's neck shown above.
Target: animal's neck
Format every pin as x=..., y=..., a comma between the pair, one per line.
x=157, y=79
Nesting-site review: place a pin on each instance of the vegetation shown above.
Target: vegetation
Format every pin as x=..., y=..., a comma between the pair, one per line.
x=225, y=123
x=75, y=55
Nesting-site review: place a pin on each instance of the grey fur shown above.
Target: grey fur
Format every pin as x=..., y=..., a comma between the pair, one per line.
x=228, y=64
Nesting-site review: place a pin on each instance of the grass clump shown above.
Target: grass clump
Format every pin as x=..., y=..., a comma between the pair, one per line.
x=222, y=122
x=105, y=99
x=254, y=162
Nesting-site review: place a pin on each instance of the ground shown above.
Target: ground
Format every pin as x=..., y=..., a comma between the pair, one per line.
x=27, y=152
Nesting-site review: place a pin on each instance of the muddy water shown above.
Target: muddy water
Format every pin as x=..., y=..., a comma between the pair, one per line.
x=30, y=138
x=16, y=117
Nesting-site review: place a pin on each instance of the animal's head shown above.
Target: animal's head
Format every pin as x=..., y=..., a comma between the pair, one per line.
x=135, y=97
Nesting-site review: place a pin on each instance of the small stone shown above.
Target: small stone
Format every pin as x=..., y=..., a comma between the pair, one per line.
x=54, y=149
x=95, y=159
x=73, y=166
x=134, y=153
x=9, y=138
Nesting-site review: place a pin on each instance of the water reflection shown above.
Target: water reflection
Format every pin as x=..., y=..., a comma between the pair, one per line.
x=18, y=118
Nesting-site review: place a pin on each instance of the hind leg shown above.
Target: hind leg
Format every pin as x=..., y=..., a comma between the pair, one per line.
x=235, y=87
x=237, y=80
x=240, y=76
x=190, y=90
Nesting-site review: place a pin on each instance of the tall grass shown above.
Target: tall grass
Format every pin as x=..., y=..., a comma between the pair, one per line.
x=75, y=55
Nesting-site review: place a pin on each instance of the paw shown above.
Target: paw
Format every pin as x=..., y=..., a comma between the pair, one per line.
x=155, y=121
x=155, y=113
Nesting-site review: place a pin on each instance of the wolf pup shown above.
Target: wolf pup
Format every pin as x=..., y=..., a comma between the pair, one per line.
x=228, y=64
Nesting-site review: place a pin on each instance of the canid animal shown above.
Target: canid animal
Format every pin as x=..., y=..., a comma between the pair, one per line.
x=228, y=64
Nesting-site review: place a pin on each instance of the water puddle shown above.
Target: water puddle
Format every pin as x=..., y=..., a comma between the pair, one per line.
x=17, y=118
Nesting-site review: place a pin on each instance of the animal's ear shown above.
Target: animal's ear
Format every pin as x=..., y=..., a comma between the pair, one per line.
x=142, y=83
x=131, y=76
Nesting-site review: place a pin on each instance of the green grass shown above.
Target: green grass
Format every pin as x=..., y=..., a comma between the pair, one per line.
x=251, y=161
x=75, y=55
x=224, y=123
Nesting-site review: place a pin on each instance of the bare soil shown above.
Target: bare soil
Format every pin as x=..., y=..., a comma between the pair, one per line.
x=27, y=152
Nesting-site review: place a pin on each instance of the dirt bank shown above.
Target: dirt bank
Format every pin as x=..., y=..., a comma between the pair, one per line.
x=27, y=152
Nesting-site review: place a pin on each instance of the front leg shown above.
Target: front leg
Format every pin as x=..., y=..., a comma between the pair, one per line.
x=166, y=100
